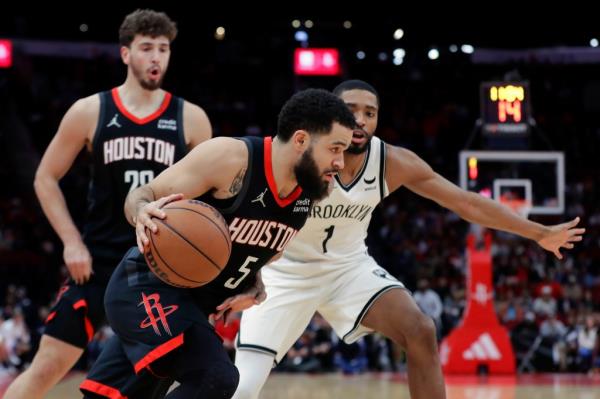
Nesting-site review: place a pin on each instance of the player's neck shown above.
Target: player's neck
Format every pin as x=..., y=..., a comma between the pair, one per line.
x=352, y=166
x=139, y=101
x=283, y=169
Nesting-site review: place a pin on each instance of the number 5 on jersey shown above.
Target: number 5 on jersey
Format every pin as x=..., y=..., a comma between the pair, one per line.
x=232, y=282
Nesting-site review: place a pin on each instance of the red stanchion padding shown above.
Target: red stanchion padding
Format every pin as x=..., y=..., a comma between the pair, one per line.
x=479, y=344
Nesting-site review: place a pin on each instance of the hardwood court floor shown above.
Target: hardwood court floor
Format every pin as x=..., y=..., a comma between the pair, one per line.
x=383, y=386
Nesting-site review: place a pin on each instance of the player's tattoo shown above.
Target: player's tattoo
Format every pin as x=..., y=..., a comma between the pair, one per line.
x=236, y=185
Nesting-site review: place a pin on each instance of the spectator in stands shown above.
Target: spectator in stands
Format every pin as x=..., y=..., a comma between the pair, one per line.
x=545, y=305
x=352, y=358
x=15, y=339
x=430, y=303
x=586, y=341
x=553, y=332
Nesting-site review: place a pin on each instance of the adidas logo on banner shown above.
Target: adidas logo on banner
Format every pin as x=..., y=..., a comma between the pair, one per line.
x=483, y=348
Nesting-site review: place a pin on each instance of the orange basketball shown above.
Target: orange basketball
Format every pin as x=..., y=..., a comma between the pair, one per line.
x=192, y=244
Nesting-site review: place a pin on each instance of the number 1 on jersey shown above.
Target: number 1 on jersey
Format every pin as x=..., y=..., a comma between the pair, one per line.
x=329, y=232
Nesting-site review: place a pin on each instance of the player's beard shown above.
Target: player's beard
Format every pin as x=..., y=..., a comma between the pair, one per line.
x=146, y=84
x=309, y=178
x=359, y=149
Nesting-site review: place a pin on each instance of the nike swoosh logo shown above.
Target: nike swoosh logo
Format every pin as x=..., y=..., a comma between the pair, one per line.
x=369, y=181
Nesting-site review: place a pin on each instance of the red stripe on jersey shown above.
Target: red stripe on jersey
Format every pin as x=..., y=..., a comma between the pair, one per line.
x=282, y=202
x=135, y=119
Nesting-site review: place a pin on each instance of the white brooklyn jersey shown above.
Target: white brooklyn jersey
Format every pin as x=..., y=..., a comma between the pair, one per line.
x=336, y=229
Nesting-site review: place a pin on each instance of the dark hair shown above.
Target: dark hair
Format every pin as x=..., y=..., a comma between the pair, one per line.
x=313, y=110
x=147, y=23
x=355, y=84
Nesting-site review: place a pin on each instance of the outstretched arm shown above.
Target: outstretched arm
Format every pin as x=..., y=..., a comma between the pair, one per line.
x=406, y=168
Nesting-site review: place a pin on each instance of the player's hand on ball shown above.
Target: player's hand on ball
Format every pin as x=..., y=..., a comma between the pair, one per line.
x=561, y=236
x=143, y=219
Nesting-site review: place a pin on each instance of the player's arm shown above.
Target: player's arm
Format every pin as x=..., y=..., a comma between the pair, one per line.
x=257, y=291
x=217, y=165
x=75, y=132
x=254, y=295
x=403, y=167
x=276, y=257
x=196, y=125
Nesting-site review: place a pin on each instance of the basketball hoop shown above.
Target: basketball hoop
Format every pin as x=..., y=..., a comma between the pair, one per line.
x=519, y=206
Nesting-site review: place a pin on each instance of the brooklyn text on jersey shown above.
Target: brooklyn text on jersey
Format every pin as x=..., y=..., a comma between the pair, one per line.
x=350, y=211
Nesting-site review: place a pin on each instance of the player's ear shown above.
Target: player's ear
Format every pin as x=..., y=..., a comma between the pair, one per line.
x=301, y=140
x=125, y=52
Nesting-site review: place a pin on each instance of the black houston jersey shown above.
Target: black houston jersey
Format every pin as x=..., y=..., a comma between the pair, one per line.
x=260, y=223
x=127, y=152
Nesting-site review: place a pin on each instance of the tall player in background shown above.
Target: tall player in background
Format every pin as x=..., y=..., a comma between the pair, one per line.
x=133, y=132
x=326, y=267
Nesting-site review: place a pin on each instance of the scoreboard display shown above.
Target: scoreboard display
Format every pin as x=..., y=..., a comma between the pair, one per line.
x=505, y=107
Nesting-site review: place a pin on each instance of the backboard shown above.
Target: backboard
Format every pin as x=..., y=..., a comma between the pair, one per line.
x=534, y=178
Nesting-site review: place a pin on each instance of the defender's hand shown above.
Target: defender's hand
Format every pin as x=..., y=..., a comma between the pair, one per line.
x=561, y=236
x=238, y=303
x=143, y=219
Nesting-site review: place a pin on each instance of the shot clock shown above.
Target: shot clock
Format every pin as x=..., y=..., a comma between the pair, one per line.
x=505, y=108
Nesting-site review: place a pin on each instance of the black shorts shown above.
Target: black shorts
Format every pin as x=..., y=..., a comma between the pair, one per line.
x=112, y=376
x=151, y=320
x=77, y=313
x=148, y=315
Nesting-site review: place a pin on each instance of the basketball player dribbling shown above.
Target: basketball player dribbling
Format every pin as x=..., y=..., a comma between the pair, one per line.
x=133, y=132
x=267, y=183
x=327, y=268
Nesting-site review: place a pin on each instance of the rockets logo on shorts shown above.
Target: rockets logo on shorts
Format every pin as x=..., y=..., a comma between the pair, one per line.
x=156, y=313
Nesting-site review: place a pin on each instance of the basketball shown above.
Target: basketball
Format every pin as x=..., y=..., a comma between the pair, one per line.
x=191, y=246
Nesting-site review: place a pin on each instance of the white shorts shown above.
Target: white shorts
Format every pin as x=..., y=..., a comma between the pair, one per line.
x=342, y=296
